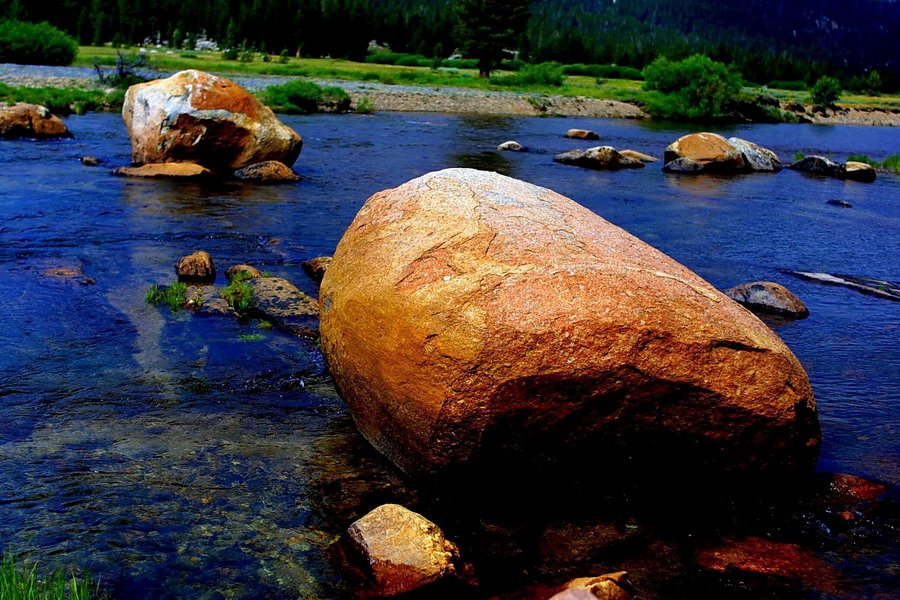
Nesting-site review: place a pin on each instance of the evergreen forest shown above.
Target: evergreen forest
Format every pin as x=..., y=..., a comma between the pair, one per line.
x=769, y=41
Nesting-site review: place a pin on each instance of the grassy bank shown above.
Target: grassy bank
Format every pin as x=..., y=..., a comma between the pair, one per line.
x=19, y=581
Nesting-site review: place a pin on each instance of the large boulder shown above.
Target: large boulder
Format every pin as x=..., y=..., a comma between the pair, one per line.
x=31, y=121
x=711, y=150
x=598, y=158
x=197, y=117
x=475, y=322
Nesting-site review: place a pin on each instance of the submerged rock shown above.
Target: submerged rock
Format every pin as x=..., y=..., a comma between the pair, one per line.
x=198, y=117
x=403, y=550
x=165, y=170
x=873, y=287
x=289, y=309
x=841, y=203
x=683, y=165
x=512, y=146
x=270, y=171
x=90, y=161
x=31, y=121
x=599, y=158
x=582, y=134
x=769, y=297
x=475, y=322
x=197, y=267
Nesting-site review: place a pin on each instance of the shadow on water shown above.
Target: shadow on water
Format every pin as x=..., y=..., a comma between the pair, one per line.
x=485, y=161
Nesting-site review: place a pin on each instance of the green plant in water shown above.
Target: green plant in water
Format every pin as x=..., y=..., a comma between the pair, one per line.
x=892, y=163
x=251, y=337
x=798, y=156
x=239, y=294
x=265, y=325
x=23, y=582
x=365, y=106
x=174, y=296
x=863, y=158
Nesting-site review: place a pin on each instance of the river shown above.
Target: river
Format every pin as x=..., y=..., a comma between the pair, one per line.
x=185, y=457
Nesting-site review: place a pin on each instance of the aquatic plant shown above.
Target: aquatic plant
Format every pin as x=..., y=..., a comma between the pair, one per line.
x=174, y=296
x=891, y=163
x=239, y=294
x=863, y=158
x=251, y=337
x=19, y=581
x=798, y=156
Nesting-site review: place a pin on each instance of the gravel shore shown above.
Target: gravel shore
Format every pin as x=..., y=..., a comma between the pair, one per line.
x=408, y=98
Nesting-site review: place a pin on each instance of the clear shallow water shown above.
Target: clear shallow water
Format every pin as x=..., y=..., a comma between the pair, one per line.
x=179, y=461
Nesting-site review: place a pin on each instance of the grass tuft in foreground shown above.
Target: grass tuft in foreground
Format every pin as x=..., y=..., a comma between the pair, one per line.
x=174, y=296
x=19, y=581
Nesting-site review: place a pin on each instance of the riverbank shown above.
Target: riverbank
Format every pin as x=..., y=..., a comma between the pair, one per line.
x=451, y=100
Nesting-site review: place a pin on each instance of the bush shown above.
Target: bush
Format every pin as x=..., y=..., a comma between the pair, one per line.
x=548, y=73
x=694, y=88
x=826, y=91
x=35, y=44
x=892, y=163
x=230, y=54
x=604, y=71
x=304, y=97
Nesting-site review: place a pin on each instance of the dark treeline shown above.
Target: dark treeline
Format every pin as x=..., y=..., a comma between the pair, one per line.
x=785, y=40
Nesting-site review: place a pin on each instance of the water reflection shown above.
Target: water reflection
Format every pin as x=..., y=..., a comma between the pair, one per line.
x=486, y=161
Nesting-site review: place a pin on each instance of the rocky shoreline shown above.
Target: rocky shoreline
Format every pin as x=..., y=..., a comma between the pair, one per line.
x=406, y=98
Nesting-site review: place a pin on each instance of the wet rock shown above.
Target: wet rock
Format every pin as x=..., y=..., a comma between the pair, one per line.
x=90, y=161
x=403, y=550
x=208, y=300
x=599, y=158
x=769, y=297
x=70, y=274
x=817, y=165
x=316, y=267
x=841, y=203
x=536, y=333
x=612, y=586
x=165, y=170
x=569, y=543
x=772, y=562
x=858, y=171
x=756, y=158
x=582, y=134
x=197, y=267
x=683, y=165
x=711, y=150
x=270, y=171
x=872, y=287
x=574, y=594
x=852, y=490
x=31, y=121
x=644, y=158
x=234, y=270
x=512, y=146
x=289, y=309
x=198, y=117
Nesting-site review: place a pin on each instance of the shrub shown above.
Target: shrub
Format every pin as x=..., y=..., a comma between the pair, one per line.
x=230, y=54
x=35, y=44
x=548, y=73
x=304, y=97
x=604, y=71
x=863, y=158
x=694, y=88
x=365, y=106
x=892, y=163
x=826, y=91
x=284, y=58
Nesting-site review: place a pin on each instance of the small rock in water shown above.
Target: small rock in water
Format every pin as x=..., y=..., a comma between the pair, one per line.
x=232, y=271
x=841, y=203
x=403, y=550
x=316, y=267
x=817, y=165
x=90, y=161
x=31, y=121
x=196, y=268
x=858, y=171
x=874, y=287
x=644, y=158
x=270, y=171
x=582, y=134
x=598, y=158
x=289, y=309
x=770, y=297
x=512, y=146
x=683, y=165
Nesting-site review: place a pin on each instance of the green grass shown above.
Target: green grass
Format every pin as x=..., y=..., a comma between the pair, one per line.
x=251, y=337
x=239, y=294
x=63, y=101
x=891, y=163
x=19, y=581
x=173, y=296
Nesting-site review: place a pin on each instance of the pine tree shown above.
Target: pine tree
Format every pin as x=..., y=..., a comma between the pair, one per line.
x=490, y=27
